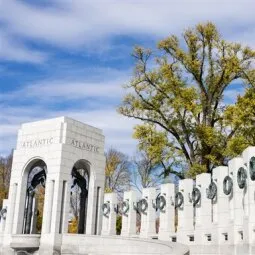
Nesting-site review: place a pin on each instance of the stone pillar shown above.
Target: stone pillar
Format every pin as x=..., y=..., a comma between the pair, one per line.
x=148, y=218
x=91, y=207
x=248, y=154
x=223, y=233
x=55, y=220
x=21, y=195
x=48, y=202
x=129, y=218
x=11, y=208
x=34, y=215
x=239, y=210
x=167, y=214
x=109, y=219
x=3, y=219
x=9, y=219
x=185, y=232
x=2, y=223
x=99, y=210
x=66, y=207
x=51, y=242
x=203, y=212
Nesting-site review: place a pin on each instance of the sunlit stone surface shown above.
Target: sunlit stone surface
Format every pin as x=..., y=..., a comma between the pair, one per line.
x=60, y=154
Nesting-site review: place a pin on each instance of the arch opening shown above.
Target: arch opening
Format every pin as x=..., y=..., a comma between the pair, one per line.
x=35, y=194
x=79, y=197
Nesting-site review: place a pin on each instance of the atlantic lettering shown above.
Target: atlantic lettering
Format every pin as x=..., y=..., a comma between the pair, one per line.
x=85, y=146
x=37, y=143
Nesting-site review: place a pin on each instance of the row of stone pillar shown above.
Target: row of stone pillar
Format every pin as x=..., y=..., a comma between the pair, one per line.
x=203, y=218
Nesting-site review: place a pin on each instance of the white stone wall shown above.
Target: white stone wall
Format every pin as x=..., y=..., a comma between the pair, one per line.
x=109, y=216
x=185, y=229
x=129, y=217
x=148, y=217
x=167, y=214
x=203, y=227
x=222, y=225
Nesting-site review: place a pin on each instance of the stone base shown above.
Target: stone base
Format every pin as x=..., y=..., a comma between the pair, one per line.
x=113, y=245
x=242, y=249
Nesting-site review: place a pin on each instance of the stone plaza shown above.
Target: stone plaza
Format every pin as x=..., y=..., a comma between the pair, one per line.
x=212, y=215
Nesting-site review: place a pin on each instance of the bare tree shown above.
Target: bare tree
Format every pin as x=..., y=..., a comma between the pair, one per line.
x=146, y=172
x=5, y=175
x=117, y=172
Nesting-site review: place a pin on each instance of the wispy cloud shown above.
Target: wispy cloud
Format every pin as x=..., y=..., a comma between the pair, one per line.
x=76, y=23
x=11, y=50
x=93, y=83
x=39, y=100
x=116, y=128
x=57, y=90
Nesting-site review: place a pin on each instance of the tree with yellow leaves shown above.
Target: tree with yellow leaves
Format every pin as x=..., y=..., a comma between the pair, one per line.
x=178, y=94
x=117, y=171
x=5, y=175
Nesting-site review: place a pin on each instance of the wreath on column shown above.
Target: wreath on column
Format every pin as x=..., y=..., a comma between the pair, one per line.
x=196, y=196
x=178, y=199
x=252, y=168
x=160, y=202
x=3, y=213
x=241, y=177
x=143, y=205
x=125, y=207
x=227, y=185
x=211, y=192
x=106, y=209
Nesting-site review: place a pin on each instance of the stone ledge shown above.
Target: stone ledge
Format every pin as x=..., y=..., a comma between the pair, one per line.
x=25, y=242
x=109, y=245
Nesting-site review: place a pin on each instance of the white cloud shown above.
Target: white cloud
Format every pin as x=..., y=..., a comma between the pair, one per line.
x=13, y=51
x=104, y=83
x=76, y=23
x=117, y=129
x=73, y=90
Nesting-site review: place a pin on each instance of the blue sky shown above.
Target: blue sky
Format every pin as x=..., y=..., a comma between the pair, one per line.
x=71, y=57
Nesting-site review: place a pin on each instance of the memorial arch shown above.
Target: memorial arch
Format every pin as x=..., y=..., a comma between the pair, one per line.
x=53, y=159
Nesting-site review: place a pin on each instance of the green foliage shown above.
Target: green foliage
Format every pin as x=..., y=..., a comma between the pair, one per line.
x=178, y=94
x=108, y=190
x=118, y=224
x=40, y=195
x=152, y=141
x=73, y=226
x=241, y=117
